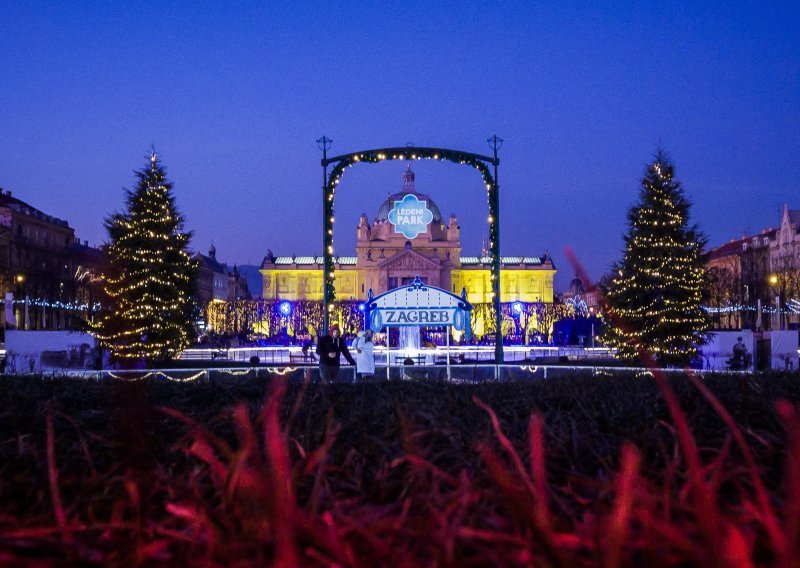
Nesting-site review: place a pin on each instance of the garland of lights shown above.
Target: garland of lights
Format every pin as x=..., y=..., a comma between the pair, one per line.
x=579, y=305
x=42, y=303
x=409, y=153
x=151, y=277
x=276, y=318
x=280, y=317
x=789, y=309
x=654, y=298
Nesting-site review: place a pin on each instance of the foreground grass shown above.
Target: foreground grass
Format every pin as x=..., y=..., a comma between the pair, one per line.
x=579, y=471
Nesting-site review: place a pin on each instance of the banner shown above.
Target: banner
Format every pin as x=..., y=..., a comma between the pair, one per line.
x=410, y=216
x=418, y=304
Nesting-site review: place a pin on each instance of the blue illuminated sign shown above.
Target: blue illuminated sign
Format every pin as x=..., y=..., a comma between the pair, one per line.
x=418, y=305
x=410, y=216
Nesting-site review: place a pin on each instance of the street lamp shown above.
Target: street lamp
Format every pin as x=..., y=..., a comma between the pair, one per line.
x=773, y=280
x=19, y=279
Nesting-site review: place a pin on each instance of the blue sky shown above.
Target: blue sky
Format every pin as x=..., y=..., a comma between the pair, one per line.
x=234, y=97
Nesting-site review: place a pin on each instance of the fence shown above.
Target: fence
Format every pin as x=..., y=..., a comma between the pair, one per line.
x=456, y=373
x=475, y=354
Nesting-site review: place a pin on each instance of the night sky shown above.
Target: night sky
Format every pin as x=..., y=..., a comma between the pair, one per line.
x=234, y=98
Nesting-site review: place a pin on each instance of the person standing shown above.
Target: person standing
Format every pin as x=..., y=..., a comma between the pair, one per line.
x=329, y=348
x=741, y=358
x=365, y=360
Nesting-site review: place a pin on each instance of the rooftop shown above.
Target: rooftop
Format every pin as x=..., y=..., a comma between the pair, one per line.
x=15, y=204
x=351, y=260
x=408, y=188
x=735, y=246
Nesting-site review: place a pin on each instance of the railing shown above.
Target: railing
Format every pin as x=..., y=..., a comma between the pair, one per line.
x=460, y=374
x=475, y=354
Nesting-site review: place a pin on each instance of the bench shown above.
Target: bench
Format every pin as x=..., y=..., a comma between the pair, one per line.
x=418, y=360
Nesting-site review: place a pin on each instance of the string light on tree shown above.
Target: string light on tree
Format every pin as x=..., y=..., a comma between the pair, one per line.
x=654, y=298
x=150, y=281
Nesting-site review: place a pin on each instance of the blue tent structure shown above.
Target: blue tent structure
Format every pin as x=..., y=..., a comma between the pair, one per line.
x=577, y=331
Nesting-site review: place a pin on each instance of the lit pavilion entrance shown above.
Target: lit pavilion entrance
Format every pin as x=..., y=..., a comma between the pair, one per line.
x=417, y=306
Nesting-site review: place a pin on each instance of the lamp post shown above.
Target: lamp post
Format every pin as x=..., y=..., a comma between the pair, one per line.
x=774, y=280
x=20, y=281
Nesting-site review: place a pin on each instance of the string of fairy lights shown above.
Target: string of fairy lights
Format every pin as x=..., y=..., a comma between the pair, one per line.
x=55, y=304
x=655, y=297
x=409, y=153
x=271, y=318
x=151, y=277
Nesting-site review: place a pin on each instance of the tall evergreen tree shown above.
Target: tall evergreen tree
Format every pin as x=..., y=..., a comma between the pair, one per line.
x=151, y=277
x=654, y=297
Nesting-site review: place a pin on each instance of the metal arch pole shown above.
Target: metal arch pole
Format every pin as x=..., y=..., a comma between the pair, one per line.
x=495, y=201
x=325, y=217
x=324, y=144
x=495, y=143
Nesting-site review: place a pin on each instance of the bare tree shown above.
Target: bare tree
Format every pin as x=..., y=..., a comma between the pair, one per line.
x=725, y=292
x=785, y=277
x=548, y=314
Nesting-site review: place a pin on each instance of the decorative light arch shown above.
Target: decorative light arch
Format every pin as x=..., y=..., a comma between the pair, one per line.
x=406, y=153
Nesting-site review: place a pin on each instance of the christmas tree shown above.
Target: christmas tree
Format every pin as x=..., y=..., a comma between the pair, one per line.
x=654, y=297
x=150, y=281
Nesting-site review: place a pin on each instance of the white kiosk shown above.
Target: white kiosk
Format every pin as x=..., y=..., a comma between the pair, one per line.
x=418, y=304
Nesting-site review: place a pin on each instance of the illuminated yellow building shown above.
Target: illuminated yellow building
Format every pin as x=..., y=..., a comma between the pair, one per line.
x=408, y=237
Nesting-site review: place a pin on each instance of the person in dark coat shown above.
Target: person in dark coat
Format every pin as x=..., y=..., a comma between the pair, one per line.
x=329, y=348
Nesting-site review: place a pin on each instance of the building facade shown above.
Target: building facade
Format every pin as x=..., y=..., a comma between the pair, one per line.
x=408, y=237
x=742, y=279
x=215, y=282
x=47, y=270
x=784, y=269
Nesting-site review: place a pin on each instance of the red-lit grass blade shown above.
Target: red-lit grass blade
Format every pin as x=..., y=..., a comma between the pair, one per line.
x=52, y=469
x=299, y=399
x=521, y=491
x=620, y=517
x=282, y=503
x=421, y=463
x=704, y=501
x=538, y=471
x=765, y=508
x=317, y=458
x=790, y=416
x=509, y=450
x=84, y=447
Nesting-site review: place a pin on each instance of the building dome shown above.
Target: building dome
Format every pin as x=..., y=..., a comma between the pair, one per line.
x=576, y=287
x=408, y=187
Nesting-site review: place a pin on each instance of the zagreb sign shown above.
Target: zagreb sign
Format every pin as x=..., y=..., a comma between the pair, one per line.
x=410, y=216
x=420, y=305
